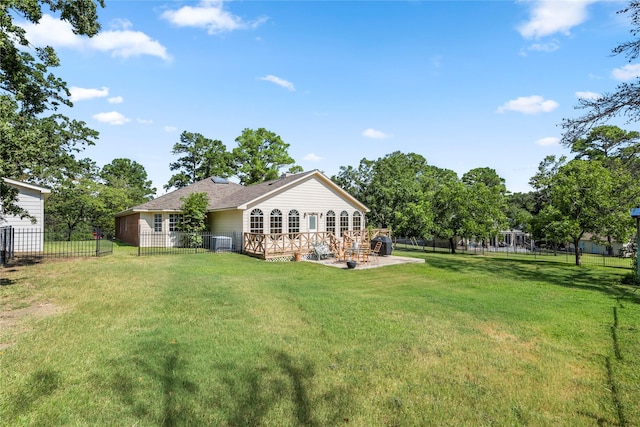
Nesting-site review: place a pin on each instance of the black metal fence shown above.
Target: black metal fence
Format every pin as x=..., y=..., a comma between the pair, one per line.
x=563, y=256
x=176, y=242
x=35, y=243
x=6, y=245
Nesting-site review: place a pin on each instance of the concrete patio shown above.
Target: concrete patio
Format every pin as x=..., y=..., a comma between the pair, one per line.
x=381, y=261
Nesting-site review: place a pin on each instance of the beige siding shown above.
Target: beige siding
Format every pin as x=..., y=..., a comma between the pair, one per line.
x=226, y=221
x=146, y=222
x=310, y=196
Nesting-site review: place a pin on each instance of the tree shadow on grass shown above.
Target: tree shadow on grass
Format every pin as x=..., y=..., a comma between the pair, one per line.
x=542, y=271
x=155, y=365
x=286, y=381
x=241, y=393
x=38, y=386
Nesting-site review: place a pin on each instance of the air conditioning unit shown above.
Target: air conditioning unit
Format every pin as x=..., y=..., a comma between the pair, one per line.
x=221, y=244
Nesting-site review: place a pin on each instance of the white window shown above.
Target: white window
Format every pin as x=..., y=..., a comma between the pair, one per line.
x=256, y=221
x=357, y=220
x=344, y=222
x=330, y=223
x=294, y=221
x=275, y=221
x=157, y=223
x=174, y=221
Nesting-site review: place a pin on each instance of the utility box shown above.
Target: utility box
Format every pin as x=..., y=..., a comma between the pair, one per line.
x=221, y=244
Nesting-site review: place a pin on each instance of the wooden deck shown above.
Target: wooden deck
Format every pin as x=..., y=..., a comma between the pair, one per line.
x=286, y=245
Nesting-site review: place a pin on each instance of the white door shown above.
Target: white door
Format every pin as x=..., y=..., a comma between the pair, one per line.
x=313, y=223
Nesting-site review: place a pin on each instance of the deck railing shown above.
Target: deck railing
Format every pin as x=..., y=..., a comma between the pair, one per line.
x=274, y=245
x=284, y=244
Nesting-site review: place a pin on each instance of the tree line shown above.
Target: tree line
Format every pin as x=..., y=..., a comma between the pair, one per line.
x=590, y=193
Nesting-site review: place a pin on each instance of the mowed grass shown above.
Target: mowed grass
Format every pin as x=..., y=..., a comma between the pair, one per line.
x=227, y=340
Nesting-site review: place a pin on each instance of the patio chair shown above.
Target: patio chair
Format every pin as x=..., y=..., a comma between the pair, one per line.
x=364, y=256
x=341, y=254
x=321, y=250
x=376, y=251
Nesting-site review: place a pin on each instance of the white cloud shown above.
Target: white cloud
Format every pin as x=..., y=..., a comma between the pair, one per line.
x=312, y=157
x=210, y=15
x=626, y=73
x=115, y=100
x=81, y=94
x=280, y=82
x=553, y=16
x=546, y=142
x=144, y=121
x=120, y=42
x=375, y=134
x=128, y=43
x=588, y=95
x=53, y=32
x=170, y=128
x=529, y=105
x=112, y=118
x=551, y=46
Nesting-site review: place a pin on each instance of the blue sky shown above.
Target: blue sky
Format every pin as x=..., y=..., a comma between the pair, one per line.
x=465, y=84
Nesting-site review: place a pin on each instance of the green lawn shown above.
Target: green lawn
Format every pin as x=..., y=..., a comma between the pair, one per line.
x=224, y=339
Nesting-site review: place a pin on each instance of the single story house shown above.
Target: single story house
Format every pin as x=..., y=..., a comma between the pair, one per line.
x=271, y=219
x=31, y=198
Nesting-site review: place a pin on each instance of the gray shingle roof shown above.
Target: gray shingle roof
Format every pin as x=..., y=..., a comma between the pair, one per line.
x=221, y=196
x=171, y=201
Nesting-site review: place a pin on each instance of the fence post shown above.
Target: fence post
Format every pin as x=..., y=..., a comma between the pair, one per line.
x=97, y=232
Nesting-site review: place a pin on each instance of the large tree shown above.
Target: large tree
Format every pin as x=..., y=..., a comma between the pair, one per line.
x=355, y=181
x=624, y=101
x=33, y=137
x=448, y=204
x=77, y=200
x=200, y=158
x=395, y=194
x=614, y=147
x=581, y=199
x=132, y=178
x=260, y=155
x=486, y=203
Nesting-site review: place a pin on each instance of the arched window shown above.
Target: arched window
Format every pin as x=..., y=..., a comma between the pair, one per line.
x=256, y=221
x=294, y=221
x=330, y=223
x=344, y=222
x=275, y=222
x=357, y=221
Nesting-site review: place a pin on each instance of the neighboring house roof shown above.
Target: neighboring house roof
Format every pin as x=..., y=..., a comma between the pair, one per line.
x=229, y=195
x=15, y=183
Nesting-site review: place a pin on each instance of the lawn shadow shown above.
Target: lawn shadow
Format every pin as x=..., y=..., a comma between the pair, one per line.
x=160, y=365
x=5, y=281
x=242, y=393
x=40, y=384
x=255, y=391
x=547, y=271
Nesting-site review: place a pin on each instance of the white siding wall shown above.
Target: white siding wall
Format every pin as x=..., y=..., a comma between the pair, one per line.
x=309, y=196
x=33, y=202
x=226, y=221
